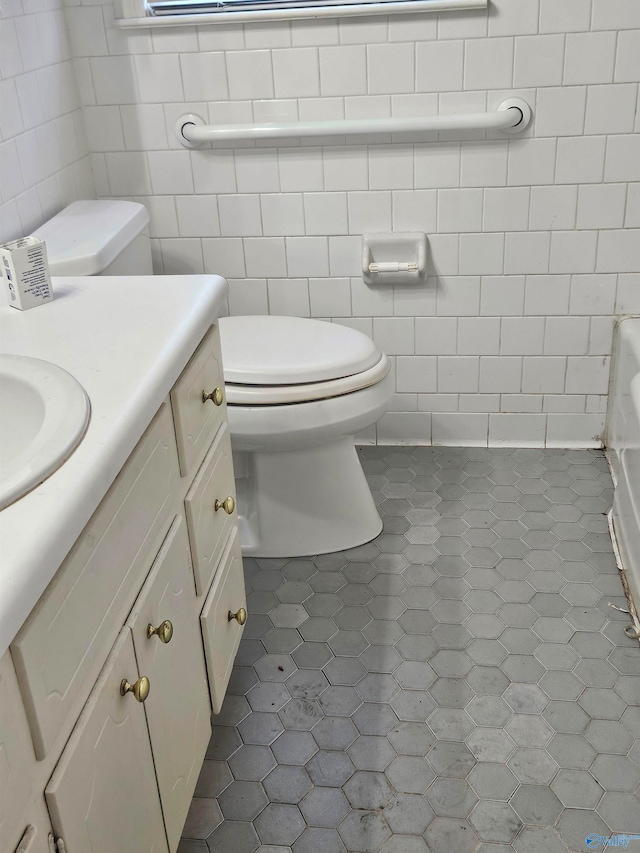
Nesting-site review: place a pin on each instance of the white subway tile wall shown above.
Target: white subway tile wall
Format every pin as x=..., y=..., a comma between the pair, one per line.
x=534, y=240
x=44, y=153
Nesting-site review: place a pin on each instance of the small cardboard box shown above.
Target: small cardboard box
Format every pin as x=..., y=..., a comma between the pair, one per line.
x=25, y=270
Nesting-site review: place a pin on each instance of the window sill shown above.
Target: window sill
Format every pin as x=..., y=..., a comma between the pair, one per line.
x=302, y=13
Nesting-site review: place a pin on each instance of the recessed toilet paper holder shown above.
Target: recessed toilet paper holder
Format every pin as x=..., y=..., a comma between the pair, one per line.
x=394, y=257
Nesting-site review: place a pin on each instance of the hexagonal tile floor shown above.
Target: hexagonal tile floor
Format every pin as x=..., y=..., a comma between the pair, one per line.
x=459, y=684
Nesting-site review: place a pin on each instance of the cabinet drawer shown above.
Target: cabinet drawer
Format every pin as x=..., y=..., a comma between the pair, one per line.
x=209, y=527
x=178, y=709
x=222, y=634
x=102, y=796
x=197, y=419
x=60, y=649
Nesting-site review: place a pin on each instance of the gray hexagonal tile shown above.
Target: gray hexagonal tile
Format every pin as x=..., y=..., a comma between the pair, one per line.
x=288, y=615
x=300, y=714
x=493, y=781
x=286, y=784
x=536, y=804
x=577, y=789
x=411, y=738
x=408, y=813
x=533, y=766
x=571, y=827
x=294, y=748
x=528, y=730
x=571, y=751
x=487, y=680
x=450, y=833
x=335, y=733
x=242, y=800
x=316, y=838
x=371, y=752
x=410, y=774
x=339, y=701
x=306, y=684
x=451, y=797
x=251, y=763
x=330, y=768
x=495, y=821
x=566, y=717
x=609, y=736
x=279, y=824
x=377, y=687
x=451, y=692
x=488, y=744
x=312, y=655
x=374, y=718
x=368, y=790
x=233, y=837
x=488, y=710
x=324, y=807
x=202, y=819
x=618, y=809
x=364, y=831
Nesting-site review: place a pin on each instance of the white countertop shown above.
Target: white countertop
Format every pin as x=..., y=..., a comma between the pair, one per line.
x=126, y=340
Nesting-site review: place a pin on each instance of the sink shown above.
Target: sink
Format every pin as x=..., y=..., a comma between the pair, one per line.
x=44, y=414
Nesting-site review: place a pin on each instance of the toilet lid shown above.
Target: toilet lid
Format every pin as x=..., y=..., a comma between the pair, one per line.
x=276, y=350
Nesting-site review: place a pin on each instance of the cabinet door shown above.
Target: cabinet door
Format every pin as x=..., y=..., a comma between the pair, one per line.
x=15, y=757
x=178, y=709
x=208, y=521
x=220, y=632
x=103, y=795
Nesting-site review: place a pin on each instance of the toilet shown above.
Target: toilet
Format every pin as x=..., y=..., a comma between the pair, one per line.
x=298, y=390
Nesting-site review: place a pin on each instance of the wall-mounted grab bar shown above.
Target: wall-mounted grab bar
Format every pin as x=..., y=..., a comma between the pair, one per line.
x=511, y=116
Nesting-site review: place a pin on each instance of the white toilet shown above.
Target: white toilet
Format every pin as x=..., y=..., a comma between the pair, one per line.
x=297, y=391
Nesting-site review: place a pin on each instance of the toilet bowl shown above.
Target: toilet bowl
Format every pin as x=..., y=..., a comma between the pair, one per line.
x=297, y=391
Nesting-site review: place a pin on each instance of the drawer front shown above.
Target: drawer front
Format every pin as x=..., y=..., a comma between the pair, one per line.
x=178, y=709
x=103, y=796
x=221, y=634
x=197, y=420
x=209, y=527
x=60, y=648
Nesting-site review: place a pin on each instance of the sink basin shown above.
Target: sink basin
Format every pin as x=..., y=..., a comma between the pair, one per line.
x=44, y=414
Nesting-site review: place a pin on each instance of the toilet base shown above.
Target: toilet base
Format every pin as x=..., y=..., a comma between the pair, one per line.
x=299, y=503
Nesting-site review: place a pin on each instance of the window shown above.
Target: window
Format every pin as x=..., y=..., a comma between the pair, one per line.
x=173, y=12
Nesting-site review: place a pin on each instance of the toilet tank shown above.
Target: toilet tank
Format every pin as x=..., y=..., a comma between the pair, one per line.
x=106, y=237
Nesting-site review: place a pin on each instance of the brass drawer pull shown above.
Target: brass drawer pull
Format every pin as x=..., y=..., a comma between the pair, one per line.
x=163, y=632
x=216, y=396
x=139, y=688
x=240, y=616
x=228, y=505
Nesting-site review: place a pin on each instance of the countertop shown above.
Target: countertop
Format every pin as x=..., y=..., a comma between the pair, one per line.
x=126, y=339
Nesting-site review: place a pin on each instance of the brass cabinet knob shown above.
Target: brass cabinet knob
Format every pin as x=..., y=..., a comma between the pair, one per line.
x=216, y=396
x=228, y=505
x=139, y=688
x=240, y=616
x=163, y=632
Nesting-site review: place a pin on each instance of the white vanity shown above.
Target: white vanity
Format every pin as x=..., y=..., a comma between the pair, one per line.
x=121, y=587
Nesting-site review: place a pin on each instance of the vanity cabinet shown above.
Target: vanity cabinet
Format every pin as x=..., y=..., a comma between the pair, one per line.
x=130, y=648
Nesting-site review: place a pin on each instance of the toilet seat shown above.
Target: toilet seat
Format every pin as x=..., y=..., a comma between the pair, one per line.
x=272, y=360
x=274, y=351
x=277, y=395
